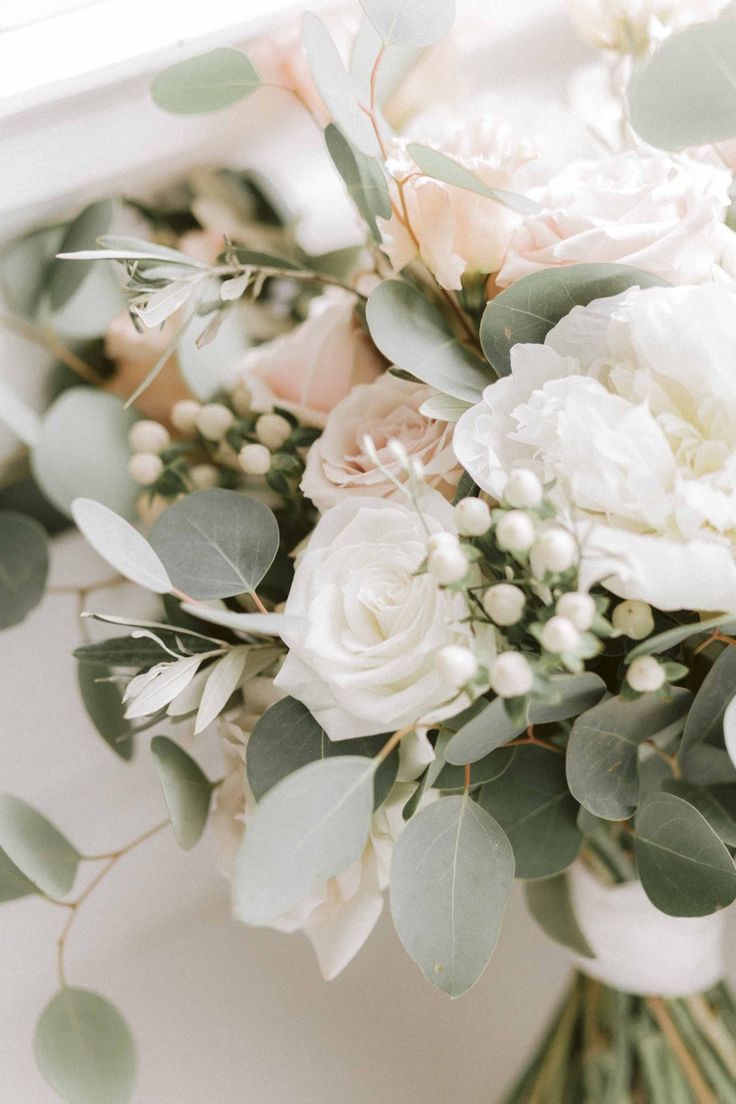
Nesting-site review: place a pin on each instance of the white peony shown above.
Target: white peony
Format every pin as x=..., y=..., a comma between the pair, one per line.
x=386, y=410
x=630, y=408
x=362, y=657
x=662, y=214
x=630, y=26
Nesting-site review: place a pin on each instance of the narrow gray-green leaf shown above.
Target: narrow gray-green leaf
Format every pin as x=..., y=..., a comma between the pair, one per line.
x=527, y=311
x=137, y=651
x=364, y=179
x=64, y=277
x=215, y=544
x=716, y=802
x=207, y=82
x=440, y=167
x=670, y=638
x=451, y=874
x=186, y=788
x=684, y=867
x=533, y=805
x=412, y=333
x=13, y=882
x=84, y=1049
x=37, y=847
x=311, y=826
x=602, y=754
x=335, y=86
x=24, y=565
x=550, y=903
x=410, y=22
x=103, y=701
x=222, y=682
x=124, y=548
x=705, y=721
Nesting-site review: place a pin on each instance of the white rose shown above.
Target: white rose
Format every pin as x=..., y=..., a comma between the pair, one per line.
x=629, y=26
x=629, y=409
x=388, y=409
x=362, y=657
x=454, y=231
x=660, y=214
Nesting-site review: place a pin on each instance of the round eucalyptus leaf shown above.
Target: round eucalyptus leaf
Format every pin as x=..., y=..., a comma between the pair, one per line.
x=207, y=82
x=84, y=1049
x=37, y=847
x=716, y=802
x=364, y=179
x=407, y=23
x=440, y=167
x=186, y=788
x=87, y=313
x=66, y=277
x=24, y=566
x=25, y=263
x=335, y=86
x=707, y=720
x=488, y=727
x=124, y=548
x=216, y=544
x=550, y=903
x=103, y=701
x=670, y=638
x=570, y=695
x=13, y=882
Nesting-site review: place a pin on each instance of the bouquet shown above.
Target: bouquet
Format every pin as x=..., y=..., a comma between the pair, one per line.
x=439, y=531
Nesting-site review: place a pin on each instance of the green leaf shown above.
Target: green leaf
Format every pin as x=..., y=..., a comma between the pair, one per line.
x=124, y=548
x=486, y=730
x=569, y=695
x=602, y=753
x=288, y=737
x=207, y=82
x=363, y=177
x=409, y=23
x=717, y=803
x=532, y=803
x=663, y=641
x=83, y=451
x=487, y=769
x=103, y=701
x=440, y=167
x=414, y=336
x=36, y=847
x=140, y=651
x=215, y=544
x=186, y=788
x=685, y=95
x=705, y=722
x=684, y=868
x=527, y=311
x=222, y=682
x=451, y=874
x=311, y=826
x=335, y=86
x=25, y=264
x=13, y=882
x=84, y=1049
x=550, y=903
x=66, y=278
x=24, y=565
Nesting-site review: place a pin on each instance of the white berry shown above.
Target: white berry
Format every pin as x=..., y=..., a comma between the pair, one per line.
x=184, y=415
x=511, y=676
x=241, y=399
x=148, y=436
x=254, y=459
x=214, y=420
x=555, y=551
x=559, y=635
x=515, y=531
x=204, y=476
x=646, y=675
x=578, y=607
x=145, y=468
x=633, y=619
x=442, y=539
x=504, y=603
x=473, y=517
x=456, y=665
x=272, y=430
x=447, y=564
x=523, y=488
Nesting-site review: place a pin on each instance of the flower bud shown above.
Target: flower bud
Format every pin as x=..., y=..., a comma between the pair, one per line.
x=578, y=607
x=442, y=539
x=634, y=619
x=646, y=675
x=145, y=468
x=448, y=564
x=241, y=400
x=555, y=551
x=184, y=415
x=214, y=420
x=254, y=459
x=151, y=507
x=272, y=430
x=204, y=476
x=473, y=517
x=515, y=531
x=559, y=635
x=504, y=603
x=523, y=488
x=511, y=676
x=148, y=436
x=456, y=665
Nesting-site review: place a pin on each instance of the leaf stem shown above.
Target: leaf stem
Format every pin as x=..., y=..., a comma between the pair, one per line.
x=659, y=1010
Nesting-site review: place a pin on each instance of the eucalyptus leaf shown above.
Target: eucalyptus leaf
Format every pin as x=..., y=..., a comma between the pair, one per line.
x=206, y=82
x=24, y=566
x=37, y=847
x=186, y=788
x=311, y=826
x=13, y=882
x=124, y=548
x=705, y=722
x=602, y=753
x=335, y=86
x=685, y=95
x=414, y=336
x=84, y=1049
x=533, y=805
x=550, y=903
x=222, y=682
x=451, y=873
x=25, y=263
x=410, y=22
x=527, y=311
x=569, y=696
x=65, y=279
x=487, y=769
x=364, y=179
x=684, y=867
x=485, y=731
x=440, y=167
x=716, y=802
x=444, y=408
x=103, y=701
x=263, y=624
x=216, y=544
x=670, y=638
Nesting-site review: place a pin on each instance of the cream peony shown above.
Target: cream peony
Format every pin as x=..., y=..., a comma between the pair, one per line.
x=660, y=214
x=310, y=369
x=630, y=26
x=630, y=408
x=456, y=232
x=385, y=410
x=362, y=658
